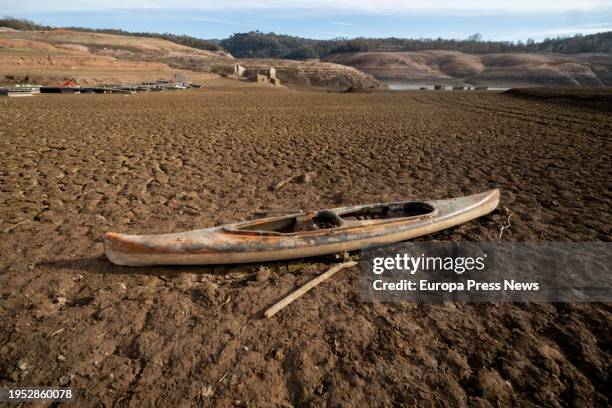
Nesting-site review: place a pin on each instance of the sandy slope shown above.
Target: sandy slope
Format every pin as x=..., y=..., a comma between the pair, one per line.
x=49, y=57
x=426, y=64
x=511, y=68
x=108, y=43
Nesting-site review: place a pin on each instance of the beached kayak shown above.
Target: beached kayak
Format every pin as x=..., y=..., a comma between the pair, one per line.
x=299, y=235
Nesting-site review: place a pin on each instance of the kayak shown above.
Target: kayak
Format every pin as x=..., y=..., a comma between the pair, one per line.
x=299, y=235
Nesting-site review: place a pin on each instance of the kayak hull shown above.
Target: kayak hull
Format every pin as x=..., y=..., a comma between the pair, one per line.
x=244, y=243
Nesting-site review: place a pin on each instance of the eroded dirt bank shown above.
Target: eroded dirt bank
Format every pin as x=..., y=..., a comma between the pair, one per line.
x=510, y=69
x=75, y=166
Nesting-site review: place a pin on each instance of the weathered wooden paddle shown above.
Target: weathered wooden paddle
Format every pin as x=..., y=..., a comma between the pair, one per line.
x=302, y=290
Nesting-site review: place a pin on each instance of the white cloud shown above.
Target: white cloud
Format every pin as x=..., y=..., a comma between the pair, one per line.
x=571, y=31
x=558, y=32
x=322, y=6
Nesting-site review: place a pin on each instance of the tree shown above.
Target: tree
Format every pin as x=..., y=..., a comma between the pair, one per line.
x=476, y=37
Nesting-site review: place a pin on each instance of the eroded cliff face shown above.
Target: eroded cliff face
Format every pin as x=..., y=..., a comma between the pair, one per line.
x=511, y=68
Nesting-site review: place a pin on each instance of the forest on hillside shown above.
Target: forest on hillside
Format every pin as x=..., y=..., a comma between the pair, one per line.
x=256, y=44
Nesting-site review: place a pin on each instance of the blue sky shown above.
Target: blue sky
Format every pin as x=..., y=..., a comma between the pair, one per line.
x=495, y=20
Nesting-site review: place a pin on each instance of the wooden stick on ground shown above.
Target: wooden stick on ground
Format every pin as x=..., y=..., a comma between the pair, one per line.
x=301, y=178
x=508, y=223
x=301, y=291
x=281, y=183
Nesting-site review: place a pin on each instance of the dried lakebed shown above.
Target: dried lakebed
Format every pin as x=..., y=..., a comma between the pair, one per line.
x=76, y=166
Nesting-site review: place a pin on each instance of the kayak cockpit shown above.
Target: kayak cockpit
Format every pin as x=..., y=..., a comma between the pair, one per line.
x=292, y=223
x=327, y=219
x=387, y=211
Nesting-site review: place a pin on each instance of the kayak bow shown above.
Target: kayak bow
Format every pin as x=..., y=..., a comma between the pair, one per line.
x=299, y=235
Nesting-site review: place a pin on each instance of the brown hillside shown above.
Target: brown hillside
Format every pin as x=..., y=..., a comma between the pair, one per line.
x=107, y=43
x=58, y=50
x=48, y=57
x=412, y=65
x=541, y=69
x=513, y=68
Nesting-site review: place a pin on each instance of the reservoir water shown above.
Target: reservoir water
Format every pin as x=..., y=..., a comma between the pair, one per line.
x=398, y=85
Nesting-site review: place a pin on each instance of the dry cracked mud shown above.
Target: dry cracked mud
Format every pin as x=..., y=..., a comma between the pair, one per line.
x=76, y=166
